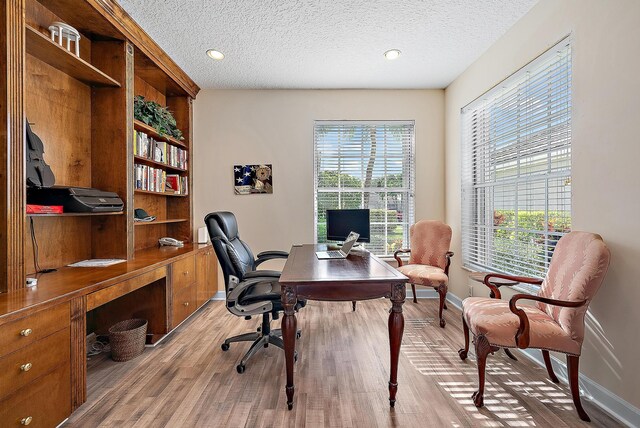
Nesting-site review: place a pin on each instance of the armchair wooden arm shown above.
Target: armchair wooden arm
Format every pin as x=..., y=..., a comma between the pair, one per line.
x=495, y=293
x=448, y=255
x=398, y=259
x=522, y=335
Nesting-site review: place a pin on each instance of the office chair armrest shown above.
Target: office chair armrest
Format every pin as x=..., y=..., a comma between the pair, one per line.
x=398, y=259
x=273, y=254
x=254, y=308
x=495, y=293
x=262, y=273
x=235, y=292
x=522, y=335
x=269, y=255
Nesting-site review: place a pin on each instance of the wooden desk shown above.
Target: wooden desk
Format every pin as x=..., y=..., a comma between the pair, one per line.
x=361, y=276
x=163, y=285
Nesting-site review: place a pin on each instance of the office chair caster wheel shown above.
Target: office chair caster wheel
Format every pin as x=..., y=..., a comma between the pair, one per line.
x=298, y=335
x=225, y=347
x=240, y=368
x=266, y=345
x=295, y=357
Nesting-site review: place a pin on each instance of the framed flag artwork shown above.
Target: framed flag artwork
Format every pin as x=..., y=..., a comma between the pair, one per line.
x=251, y=179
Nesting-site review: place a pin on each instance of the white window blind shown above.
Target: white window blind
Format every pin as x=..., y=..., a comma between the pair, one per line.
x=366, y=165
x=516, y=181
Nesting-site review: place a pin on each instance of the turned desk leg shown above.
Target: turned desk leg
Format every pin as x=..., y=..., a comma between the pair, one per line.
x=289, y=328
x=396, y=328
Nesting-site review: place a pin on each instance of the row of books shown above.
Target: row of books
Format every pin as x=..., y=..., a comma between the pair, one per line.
x=157, y=180
x=159, y=151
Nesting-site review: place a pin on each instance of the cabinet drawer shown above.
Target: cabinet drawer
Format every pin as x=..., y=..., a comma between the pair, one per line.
x=24, y=331
x=109, y=294
x=47, y=401
x=207, y=278
x=23, y=366
x=184, y=304
x=183, y=273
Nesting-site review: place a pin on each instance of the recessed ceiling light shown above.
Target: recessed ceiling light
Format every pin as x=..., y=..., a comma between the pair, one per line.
x=217, y=55
x=392, y=54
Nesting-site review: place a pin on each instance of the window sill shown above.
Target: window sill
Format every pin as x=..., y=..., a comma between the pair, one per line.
x=520, y=288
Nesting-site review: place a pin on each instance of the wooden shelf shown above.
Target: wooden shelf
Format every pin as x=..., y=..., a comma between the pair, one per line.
x=148, y=192
x=159, y=164
x=141, y=126
x=75, y=214
x=43, y=48
x=151, y=223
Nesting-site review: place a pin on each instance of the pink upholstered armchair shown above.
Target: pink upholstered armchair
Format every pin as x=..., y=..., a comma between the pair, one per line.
x=429, y=260
x=578, y=266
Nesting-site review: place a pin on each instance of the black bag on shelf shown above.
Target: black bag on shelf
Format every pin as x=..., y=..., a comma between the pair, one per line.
x=38, y=173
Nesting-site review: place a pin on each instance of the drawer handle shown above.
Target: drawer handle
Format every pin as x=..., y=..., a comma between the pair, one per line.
x=26, y=332
x=185, y=273
x=26, y=421
x=26, y=367
x=186, y=303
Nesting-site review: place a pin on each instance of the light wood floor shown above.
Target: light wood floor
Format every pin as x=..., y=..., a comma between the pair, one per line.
x=341, y=378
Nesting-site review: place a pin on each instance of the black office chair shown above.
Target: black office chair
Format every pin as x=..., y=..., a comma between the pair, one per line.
x=249, y=291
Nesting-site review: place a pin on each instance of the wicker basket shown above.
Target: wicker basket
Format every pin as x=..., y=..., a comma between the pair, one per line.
x=127, y=339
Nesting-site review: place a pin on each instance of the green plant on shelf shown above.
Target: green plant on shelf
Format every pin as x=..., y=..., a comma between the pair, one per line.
x=156, y=116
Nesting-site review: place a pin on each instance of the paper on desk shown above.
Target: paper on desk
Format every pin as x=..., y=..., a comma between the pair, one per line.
x=97, y=263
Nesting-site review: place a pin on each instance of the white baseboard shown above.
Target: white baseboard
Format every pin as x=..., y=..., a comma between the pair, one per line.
x=220, y=295
x=615, y=406
x=454, y=300
x=429, y=293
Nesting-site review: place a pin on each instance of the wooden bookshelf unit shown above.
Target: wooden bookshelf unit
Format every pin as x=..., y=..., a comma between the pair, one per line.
x=167, y=207
x=82, y=109
x=141, y=126
x=147, y=161
x=43, y=48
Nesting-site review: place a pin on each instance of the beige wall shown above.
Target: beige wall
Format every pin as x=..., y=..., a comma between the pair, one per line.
x=605, y=151
x=276, y=127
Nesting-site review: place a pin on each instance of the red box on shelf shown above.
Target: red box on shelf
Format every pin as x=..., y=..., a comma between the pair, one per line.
x=44, y=209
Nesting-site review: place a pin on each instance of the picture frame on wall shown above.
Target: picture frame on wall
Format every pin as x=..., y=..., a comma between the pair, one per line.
x=253, y=179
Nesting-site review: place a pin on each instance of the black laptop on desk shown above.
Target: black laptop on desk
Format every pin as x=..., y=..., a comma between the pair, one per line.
x=343, y=252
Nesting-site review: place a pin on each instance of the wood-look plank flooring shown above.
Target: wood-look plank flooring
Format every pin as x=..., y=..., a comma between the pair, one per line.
x=341, y=378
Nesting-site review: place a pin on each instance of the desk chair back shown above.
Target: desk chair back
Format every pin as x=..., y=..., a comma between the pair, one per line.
x=234, y=255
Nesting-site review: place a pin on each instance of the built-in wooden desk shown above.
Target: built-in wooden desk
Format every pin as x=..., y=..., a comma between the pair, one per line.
x=67, y=283
x=163, y=285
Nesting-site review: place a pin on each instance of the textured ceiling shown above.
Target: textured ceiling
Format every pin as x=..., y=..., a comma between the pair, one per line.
x=325, y=43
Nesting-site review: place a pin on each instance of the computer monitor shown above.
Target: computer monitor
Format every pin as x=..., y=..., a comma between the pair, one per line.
x=341, y=222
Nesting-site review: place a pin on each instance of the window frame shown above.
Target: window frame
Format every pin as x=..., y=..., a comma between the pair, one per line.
x=409, y=191
x=473, y=160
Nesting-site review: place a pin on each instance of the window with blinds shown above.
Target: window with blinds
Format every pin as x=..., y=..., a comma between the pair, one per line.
x=366, y=165
x=516, y=172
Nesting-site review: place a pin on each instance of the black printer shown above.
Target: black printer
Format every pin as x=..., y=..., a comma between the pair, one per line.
x=76, y=199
